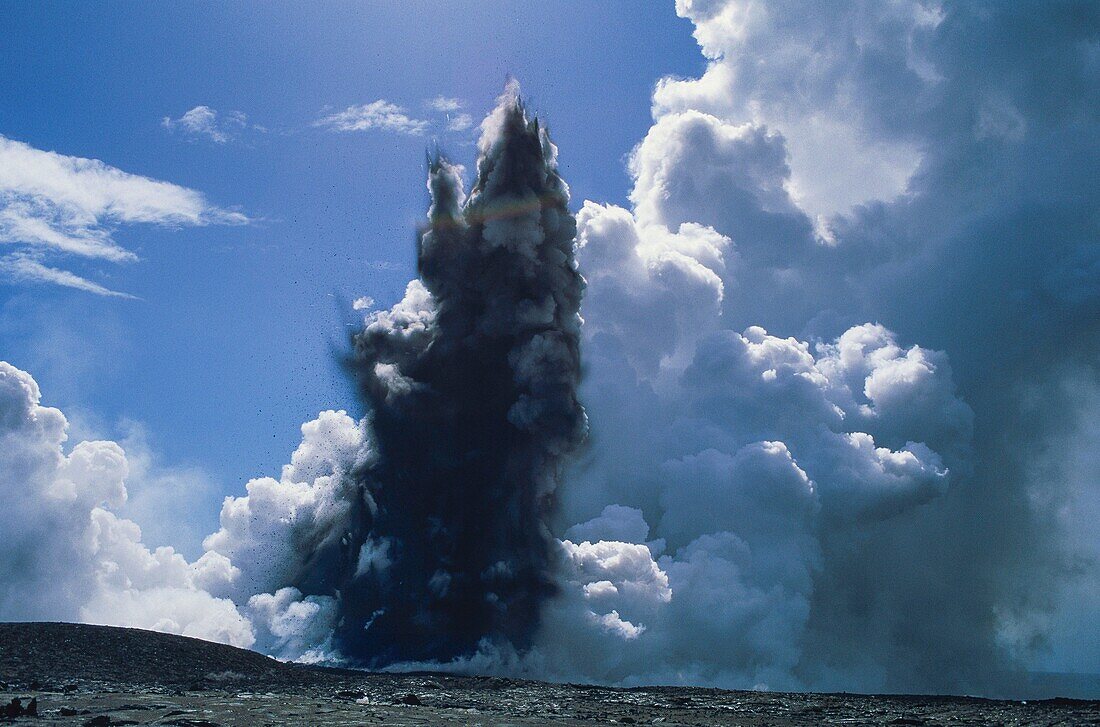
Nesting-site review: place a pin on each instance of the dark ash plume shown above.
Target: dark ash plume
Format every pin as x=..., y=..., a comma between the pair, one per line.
x=471, y=382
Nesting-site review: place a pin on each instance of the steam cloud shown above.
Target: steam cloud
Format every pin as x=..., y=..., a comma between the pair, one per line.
x=836, y=435
x=946, y=477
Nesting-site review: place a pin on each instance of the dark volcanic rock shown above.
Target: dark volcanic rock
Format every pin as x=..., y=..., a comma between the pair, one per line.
x=14, y=708
x=49, y=653
x=115, y=676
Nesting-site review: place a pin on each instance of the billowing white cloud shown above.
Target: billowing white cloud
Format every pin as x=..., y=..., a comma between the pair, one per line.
x=837, y=165
x=294, y=627
x=271, y=533
x=380, y=115
x=67, y=556
x=719, y=459
x=52, y=205
x=828, y=85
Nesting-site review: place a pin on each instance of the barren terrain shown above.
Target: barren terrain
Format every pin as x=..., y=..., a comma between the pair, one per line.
x=98, y=675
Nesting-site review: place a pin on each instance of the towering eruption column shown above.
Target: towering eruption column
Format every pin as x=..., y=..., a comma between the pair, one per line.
x=472, y=384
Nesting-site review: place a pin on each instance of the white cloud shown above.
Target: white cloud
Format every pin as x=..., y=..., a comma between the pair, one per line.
x=22, y=268
x=806, y=89
x=445, y=105
x=459, y=122
x=294, y=627
x=56, y=205
x=381, y=115
x=735, y=462
x=203, y=121
x=950, y=198
x=66, y=555
x=264, y=532
x=737, y=449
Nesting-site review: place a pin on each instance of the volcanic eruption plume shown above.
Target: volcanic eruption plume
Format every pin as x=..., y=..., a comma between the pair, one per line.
x=471, y=382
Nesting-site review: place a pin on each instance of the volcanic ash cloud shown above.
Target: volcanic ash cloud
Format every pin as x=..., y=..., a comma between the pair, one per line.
x=471, y=381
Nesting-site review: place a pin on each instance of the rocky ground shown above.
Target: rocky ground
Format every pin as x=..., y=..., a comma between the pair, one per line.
x=97, y=675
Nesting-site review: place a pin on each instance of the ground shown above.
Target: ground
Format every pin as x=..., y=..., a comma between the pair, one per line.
x=99, y=675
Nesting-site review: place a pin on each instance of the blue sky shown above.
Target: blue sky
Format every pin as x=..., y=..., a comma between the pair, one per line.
x=231, y=345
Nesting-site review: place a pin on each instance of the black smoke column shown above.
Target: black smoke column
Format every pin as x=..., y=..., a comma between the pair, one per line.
x=472, y=384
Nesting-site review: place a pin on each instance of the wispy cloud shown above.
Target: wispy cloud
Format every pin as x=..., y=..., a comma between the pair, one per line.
x=22, y=268
x=381, y=115
x=203, y=121
x=58, y=205
x=445, y=115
